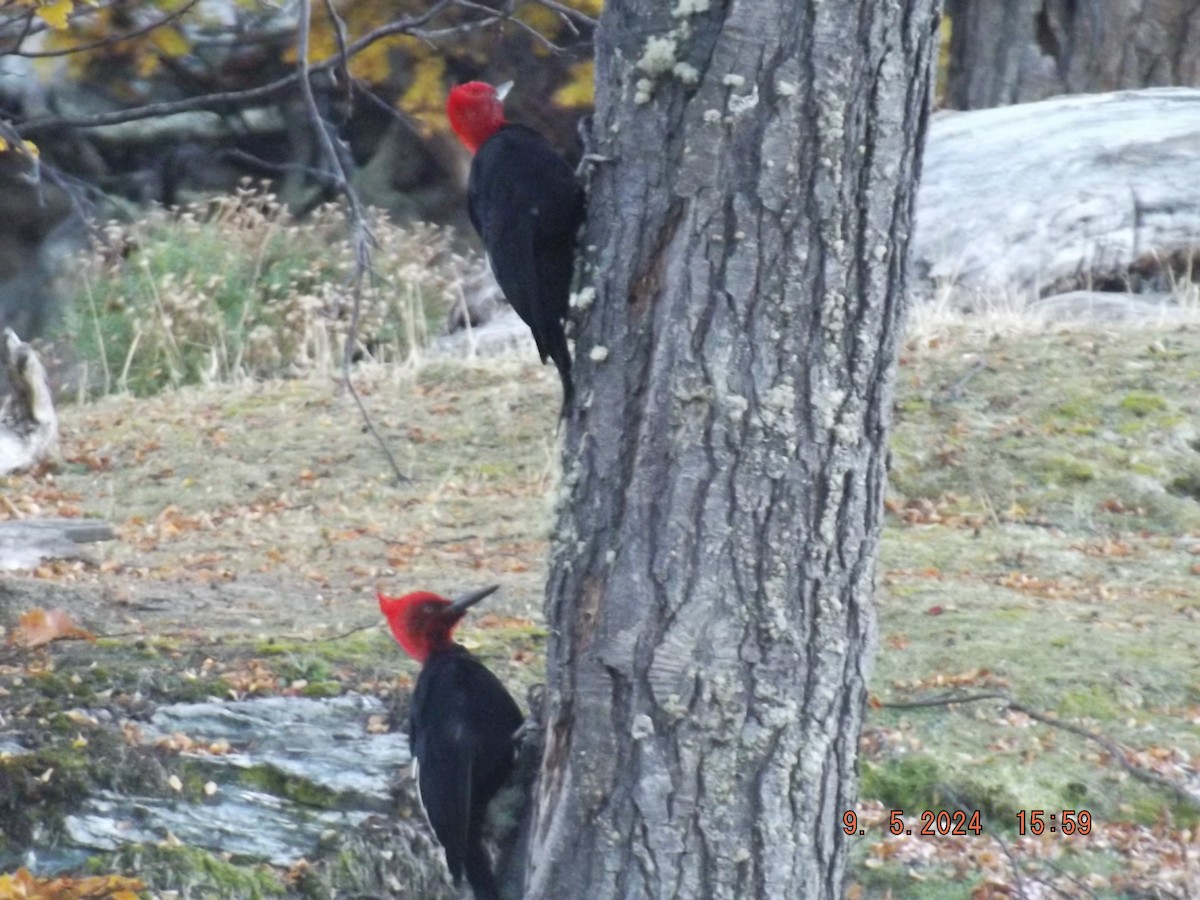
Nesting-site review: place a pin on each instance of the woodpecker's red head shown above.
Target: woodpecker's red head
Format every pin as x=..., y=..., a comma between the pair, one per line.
x=423, y=623
x=476, y=111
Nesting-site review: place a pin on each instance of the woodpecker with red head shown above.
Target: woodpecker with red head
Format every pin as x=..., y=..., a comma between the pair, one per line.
x=526, y=205
x=461, y=728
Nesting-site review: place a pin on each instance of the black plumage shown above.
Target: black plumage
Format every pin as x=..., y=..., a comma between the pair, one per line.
x=461, y=726
x=527, y=207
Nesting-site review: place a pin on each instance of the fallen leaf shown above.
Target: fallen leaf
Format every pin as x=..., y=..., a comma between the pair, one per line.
x=38, y=627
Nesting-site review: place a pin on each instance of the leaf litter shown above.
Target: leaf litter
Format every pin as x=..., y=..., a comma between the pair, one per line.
x=1035, y=544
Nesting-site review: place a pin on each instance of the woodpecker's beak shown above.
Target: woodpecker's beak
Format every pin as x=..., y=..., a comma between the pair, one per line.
x=502, y=92
x=462, y=604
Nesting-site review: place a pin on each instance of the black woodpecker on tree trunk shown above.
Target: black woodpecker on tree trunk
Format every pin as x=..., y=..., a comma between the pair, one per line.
x=527, y=206
x=461, y=729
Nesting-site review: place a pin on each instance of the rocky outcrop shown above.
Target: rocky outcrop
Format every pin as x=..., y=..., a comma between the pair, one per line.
x=1084, y=192
x=28, y=422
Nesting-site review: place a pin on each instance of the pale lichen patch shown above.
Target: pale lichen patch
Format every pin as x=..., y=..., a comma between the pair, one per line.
x=643, y=727
x=744, y=102
x=659, y=55
x=584, y=298
x=737, y=406
x=686, y=73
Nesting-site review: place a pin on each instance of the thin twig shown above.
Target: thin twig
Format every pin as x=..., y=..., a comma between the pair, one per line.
x=335, y=637
x=401, y=116
x=1112, y=747
x=567, y=12
x=410, y=25
x=265, y=165
x=339, y=31
x=1078, y=882
x=26, y=27
x=1114, y=750
x=1014, y=863
x=506, y=16
x=37, y=25
x=103, y=42
x=956, y=390
x=944, y=700
x=363, y=238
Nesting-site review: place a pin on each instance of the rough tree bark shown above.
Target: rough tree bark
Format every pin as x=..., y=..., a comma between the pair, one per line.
x=710, y=595
x=1023, y=50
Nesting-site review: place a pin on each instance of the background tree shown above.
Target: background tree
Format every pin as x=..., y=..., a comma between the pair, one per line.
x=151, y=100
x=1023, y=50
x=173, y=100
x=710, y=595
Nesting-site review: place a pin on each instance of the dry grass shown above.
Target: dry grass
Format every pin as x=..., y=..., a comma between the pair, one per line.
x=952, y=311
x=235, y=288
x=1043, y=534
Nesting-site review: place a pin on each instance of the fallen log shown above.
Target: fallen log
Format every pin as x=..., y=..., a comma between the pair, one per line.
x=26, y=543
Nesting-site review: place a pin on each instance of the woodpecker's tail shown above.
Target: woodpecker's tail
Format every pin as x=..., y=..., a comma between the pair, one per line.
x=557, y=349
x=444, y=786
x=479, y=864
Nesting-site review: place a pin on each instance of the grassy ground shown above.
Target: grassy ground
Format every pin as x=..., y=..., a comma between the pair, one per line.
x=1043, y=544
x=1042, y=548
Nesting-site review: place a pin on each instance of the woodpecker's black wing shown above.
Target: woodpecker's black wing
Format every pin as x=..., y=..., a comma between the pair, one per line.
x=527, y=206
x=462, y=724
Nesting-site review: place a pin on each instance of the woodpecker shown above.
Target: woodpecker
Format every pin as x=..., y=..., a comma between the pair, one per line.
x=527, y=206
x=461, y=728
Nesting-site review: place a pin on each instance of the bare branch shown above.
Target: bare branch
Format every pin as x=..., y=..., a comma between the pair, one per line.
x=36, y=25
x=945, y=700
x=26, y=29
x=1114, y=750
x=363, y=238
x=507, y=16
x=1112, y=747
x=567, y=13
x=1081, y=888
x=339, y=30
x=105, y=42
x=397, y=114
x=411, y=25
x=1013, y=862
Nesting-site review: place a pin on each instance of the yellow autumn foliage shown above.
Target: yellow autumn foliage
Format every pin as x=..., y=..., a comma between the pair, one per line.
x=170, y=42
x=23, y=885
x=55, y=13
x=414, y=71
x=580, y=88
x=545, y=21
x=29, y=148
x=425, y=97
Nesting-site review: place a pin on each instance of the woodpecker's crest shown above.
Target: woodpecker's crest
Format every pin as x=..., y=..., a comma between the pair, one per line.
x=476, y=111
x=423, y=622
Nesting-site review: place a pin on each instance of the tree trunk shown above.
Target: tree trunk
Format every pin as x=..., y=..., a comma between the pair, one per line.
x=1023, y=50
x=710, y=594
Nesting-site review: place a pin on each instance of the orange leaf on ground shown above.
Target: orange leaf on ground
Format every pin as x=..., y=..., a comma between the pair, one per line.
x=38, y=626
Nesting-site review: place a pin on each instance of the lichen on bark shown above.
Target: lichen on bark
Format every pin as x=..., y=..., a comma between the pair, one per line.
x=710, y=589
